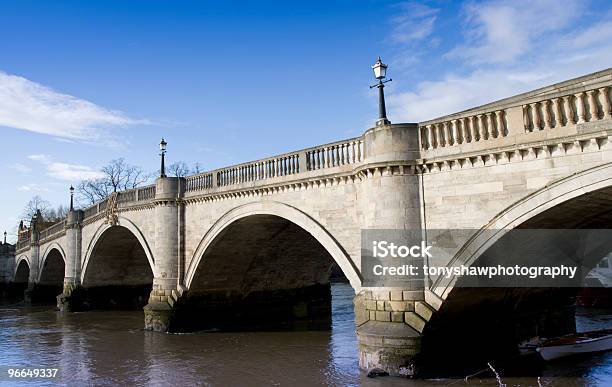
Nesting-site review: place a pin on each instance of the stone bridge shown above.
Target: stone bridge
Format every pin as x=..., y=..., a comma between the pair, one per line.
x=258, y=242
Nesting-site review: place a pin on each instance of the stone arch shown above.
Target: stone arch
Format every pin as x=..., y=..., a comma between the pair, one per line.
x=23, y=264
x=48, y=251
x=289, y=213
x=561, y=191
x=121, y=222
x=491, y=320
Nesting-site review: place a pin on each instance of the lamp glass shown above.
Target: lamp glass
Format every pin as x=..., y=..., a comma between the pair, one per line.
x=162, y=145
x=380, y=69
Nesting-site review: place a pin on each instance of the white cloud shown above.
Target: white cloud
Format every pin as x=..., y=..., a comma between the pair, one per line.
x=541, y=47
x=503, y=31
x=21, y=168
x=65, y=171
x=34, y=107
x=31, y=187
x=415, y=22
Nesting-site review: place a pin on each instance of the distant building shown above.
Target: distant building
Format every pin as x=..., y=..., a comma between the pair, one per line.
x=7, y=261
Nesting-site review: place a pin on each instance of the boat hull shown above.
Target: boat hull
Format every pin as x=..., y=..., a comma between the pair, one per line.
x=557, y=351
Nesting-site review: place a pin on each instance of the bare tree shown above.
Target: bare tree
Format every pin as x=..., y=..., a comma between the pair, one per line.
x=197, y=168
x=120, y=175
x=117, y=176
x=178, y=169
x=92, y=190
x=61, y=211
x=34, y=205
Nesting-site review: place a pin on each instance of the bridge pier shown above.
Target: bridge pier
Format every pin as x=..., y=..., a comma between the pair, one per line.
x=388, y=322
x=29, y=295
x=72, y=268
x=158, y=312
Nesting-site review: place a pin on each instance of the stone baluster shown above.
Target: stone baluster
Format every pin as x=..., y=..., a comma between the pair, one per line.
x=465, y=129
x=430, y=137
x=580, y=107
x=569, y=110
x=604, y=100
x=474, y=128
x=455, y=130
x=535, y=116
x=593, y=105
x=441, y=139
x=499, y=122
x=526, y=120
x=557, y=112
x=546, y=111
x=448, y=135
x=490, y=126
x=482, y=127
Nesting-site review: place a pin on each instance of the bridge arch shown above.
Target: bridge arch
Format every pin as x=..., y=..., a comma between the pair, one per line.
x=590, y=182
x=100, y=232
x=264, y=265
x=469, y=316
x=53, y=264
x=22, y=270
x=288, y=213
x=118, y=269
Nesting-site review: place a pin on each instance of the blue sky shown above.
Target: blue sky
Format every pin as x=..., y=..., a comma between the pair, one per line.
x=85, y=82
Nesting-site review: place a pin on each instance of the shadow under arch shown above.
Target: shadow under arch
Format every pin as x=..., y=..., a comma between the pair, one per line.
x=54, y=252
x=263, y=266
x=117, y=272
x=122, y=222
x=50, y=281
x=22, y=271
x=593, y=182
x=20, y=279
x=479, y=324
x=292, y=215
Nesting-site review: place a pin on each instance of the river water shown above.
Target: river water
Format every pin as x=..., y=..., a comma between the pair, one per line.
x=110, y=348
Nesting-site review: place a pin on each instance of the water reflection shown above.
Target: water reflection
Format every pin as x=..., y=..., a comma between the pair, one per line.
x=110, y=348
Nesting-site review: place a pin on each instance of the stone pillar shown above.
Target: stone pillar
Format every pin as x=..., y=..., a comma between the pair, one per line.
x=474, y=128
x=34, y=263
x=580, y=108
x=482, y=128
x=547, y=118
x=440, y=135
x=592, y=104
x=456, y=136
x=569, y=111
x=557, y=112
x=72, y=269
x=535, y=116
x=430, y=137
x=390, y=200
x=604, y=100
x=158, y=311
x=499, y=119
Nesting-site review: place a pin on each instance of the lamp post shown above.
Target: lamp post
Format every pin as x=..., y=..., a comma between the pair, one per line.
x=380, y=73
x=71, y=198
x=162, y=148
x=5, y=237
